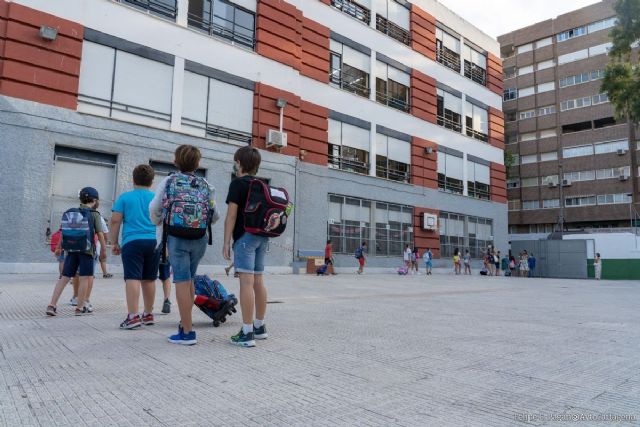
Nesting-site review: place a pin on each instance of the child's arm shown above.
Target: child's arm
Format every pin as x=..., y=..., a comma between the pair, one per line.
x=215, y=215
x=103, y=247
x=58, y=250
x=114, y=232
x=229, y=223
x=155, y=207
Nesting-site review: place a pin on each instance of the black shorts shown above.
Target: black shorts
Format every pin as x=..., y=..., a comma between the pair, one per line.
x=164, y=270
x=140, y=260
x=80, y=263
x=328, y=261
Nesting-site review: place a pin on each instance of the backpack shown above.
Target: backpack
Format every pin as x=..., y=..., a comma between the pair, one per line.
x=78, y=231
x=322, y=270
x=403, y=271
x=55, y=239
x=186, y=207
x=267, y=209
x=358, y=253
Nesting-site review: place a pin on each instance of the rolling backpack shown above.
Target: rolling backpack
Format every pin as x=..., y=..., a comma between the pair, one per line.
x=213, y=299
x=267, y=210
x=78, y=230
x=403, y=271
x=186, y=208
x=322, y=270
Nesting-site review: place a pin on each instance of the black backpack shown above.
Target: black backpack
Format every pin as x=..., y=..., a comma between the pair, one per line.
x=267, y=210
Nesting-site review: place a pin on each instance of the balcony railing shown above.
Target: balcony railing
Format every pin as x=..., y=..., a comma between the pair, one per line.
x=475, y=73
x=352, y=8
x=394, y=175
x=393, y=30
x=164, y=8
x=477, y=135
x=445, y=184
x=449, y=124
x=228, y=30
x=348, y=164
x=448, y=58
x=350, y=82
x=391, y=101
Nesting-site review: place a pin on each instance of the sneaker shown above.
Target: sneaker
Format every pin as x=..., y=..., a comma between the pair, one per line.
x=183, y=338
x=166, y=307
x=51, y=310
x=147, y=319
x=243, y=340
x=82, y=312
x=89, y=307
x=260, y=333
x=73, y=301
x=131, y=323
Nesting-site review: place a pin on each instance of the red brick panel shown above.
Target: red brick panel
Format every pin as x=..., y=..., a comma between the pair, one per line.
x=314, y=136
x=327, y=2
x=494, y=74
x=315, y=50
x=424, y=168
x=423, y=32
x=36, y=69
x=496, y=128
x=279, y=32
x=425, y=239
x=498, y=183
x=424, y=98
x=266, y=115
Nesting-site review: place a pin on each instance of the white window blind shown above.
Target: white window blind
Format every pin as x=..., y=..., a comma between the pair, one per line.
x=546, y=87
x=355, y=137
x=546, y=64
x=96, y=70
x=448, y=40
x=543, y=42
x=527, y=136
x=600, y=49
x=398, y=76
x=525, y=70
x=478, y=172
x=451, y=102
x=551, y=155
x=398, y=14
x=548, y=133
x=194, y=104
x=230, y=106
x=526, y=91
x=573, y=56
x=524, y=48
x=530, y=158
x=356, y=59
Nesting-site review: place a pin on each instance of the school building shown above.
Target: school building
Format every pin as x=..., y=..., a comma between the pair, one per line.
x=382, y=118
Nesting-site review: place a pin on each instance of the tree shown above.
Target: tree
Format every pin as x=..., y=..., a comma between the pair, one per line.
x=621, y=80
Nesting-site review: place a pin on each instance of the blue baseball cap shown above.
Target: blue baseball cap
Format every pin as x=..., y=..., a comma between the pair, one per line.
x=89, y=192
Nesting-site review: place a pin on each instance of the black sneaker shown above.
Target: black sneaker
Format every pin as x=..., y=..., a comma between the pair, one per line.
x=166, y=307
x=83, y=311
x=260, y=333
x=243, y=340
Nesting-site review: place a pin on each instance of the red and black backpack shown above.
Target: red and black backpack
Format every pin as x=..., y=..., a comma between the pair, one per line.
x=267, y=209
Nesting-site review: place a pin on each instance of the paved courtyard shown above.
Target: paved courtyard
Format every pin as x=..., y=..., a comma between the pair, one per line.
x=376, y=350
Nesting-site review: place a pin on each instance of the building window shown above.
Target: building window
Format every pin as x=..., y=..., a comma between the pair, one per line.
x=74, y=169
x=570, y=34
x=530, y=205
x=477, y=122
x=123, y=86
x=394, y=21
x=163, y=8
x=448, y=50
x=526, y=91
x=572, y=104
x=223, y=19
x=354, y=9
x=611, y=147
x=580, y=201
x=513, y=183
x=393, y=158
x=546, y=87
x=550, y=109
x=548, y=156
x=583, y=150
x=544, y=42
x=612, y=199
x=510, y=116
x=529, y=182
x=550, y=203
x=602, y=25
x=510, y=94
x=613, y=172
x=392, y=86
x=601, y=49
x=550, y=180
x=573, y=56
x=350, y=69
x=478, y=180
x=526, y=114
x=510, y=73
x=529, y=158
x=348, y=147
x=525, y=70
x=545, y=64
x=601, y=98
x=514, y=205
x=475, y=65
x=449, y=111
x=529, y=136
x=548, y=133
x=394, y=228
x=524, y=48
x=463, y=232
x=450, y=173
x=579, y=176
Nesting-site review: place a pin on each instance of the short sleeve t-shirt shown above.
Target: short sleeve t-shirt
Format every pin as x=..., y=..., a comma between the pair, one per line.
x=97, y=222
x=238, y=192
x=134, y=207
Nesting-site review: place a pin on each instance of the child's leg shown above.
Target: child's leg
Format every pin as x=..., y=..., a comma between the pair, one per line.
x=83, y=286
x=148, y=294
x=75, y=283
x=132, y=289
x=57, y=291
x=247, y=297
x=184, y=297
x=260, y=292
x=90, y=287
x=166, y=288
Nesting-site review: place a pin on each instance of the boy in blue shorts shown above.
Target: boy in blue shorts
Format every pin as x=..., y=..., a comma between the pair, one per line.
x=249, y=250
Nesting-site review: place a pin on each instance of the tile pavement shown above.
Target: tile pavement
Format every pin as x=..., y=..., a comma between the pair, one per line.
x=372, y=350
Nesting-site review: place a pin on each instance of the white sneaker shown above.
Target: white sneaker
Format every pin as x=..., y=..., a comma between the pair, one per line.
x=88, y=305
x=74, y=301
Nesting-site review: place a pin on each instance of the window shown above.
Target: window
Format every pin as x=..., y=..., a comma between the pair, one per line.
x=223, y=19
x=550, y=203
x=548, y=156
x=354, y=9
x=516, y=159
x=601, y=49
x=524, y=48
x=611, y=147
x=513, y=183
x=571, y=104
x=514, y=205
x=477, y=122
x=546, y=87
x=526, y=91
x=350, y=69
x=530, y=204
x=162, y=170
x=527, y=114
x=546, y=64
x=575, y=32
x=510, y=73
x=349, y=223
x=579, y=176
x=576, y=127
x=348, y=147
x=584, y=150
x=392, y=19
x=549, y=109
x=392, y=86
x=580, y=201
x=393, y=158
x=550, y=180
x=529, y=136
x=597, y=74
x=525, y=70
x=478, y=180
x=475, y=65
x=581, y=78
x=611, y=199
x=510, y=116
x=450, y=173
x=601, y=98
x=393, y=228
x=529, y=182
x=123, y=86
x=613, y=172
x=543, y=42
x=74, y=169
x=449, y=111
x=602, y=25
x=163, y=8
x=548, y=133
x=509, y=94
x=206, y=112
x=459, y=231
x=573, y=56
x=448, y=50
x=604, y=122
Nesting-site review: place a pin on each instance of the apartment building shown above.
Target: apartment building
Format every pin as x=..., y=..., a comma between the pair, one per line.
x=567, y=154
x=391, y=112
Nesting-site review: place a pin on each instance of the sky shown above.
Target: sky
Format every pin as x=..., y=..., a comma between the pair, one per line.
x=497, y=17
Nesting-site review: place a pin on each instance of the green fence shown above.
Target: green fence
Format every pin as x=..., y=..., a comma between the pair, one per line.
x=616, y=269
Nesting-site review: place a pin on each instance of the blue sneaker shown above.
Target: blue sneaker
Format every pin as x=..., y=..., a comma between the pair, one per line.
x=183, y=338
x=243, y=340
x=260, y=333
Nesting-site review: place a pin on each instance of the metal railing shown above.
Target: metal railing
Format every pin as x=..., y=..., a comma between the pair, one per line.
x=449, y=187
x=391, y=101
x=448, y=58
x=475, y=73
x=166, y=8
x=227, y=31
x=392, y=174
x=455, y=126
x=226, y=133
x=352, y=8
x=350, y=82
x=348, y=164
x=393, y=30
x=477, y=135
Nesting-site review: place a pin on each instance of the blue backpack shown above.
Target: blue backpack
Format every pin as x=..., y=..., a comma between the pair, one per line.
x=186, y=207
x=358, y=253
x=78, y=230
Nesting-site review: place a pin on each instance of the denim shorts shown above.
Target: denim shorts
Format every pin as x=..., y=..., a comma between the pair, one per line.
x=140, y=260
x=249, y=251
x=185, y=255
x=80, y=263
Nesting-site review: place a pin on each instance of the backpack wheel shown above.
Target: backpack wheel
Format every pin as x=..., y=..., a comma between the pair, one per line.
x=216, y=323
x=224, y=319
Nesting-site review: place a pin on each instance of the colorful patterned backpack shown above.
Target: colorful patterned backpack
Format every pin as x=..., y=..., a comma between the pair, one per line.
x=186, y=207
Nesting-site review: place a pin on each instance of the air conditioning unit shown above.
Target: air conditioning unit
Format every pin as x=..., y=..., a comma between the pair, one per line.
x=552, y=184
x=429, y=221
x=276, y=139
x=621, y=151
x=623, y=177
x=566, y=183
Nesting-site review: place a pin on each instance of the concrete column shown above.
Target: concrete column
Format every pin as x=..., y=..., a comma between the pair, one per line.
x=372, y=23
x=465, y=175
x=183, y=13
x=464, y=111
x=177, y=94
x=461, y=56
x=372, y=150
x=372, y=76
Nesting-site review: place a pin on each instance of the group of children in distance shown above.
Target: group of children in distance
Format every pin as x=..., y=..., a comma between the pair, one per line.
x=147, y=228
